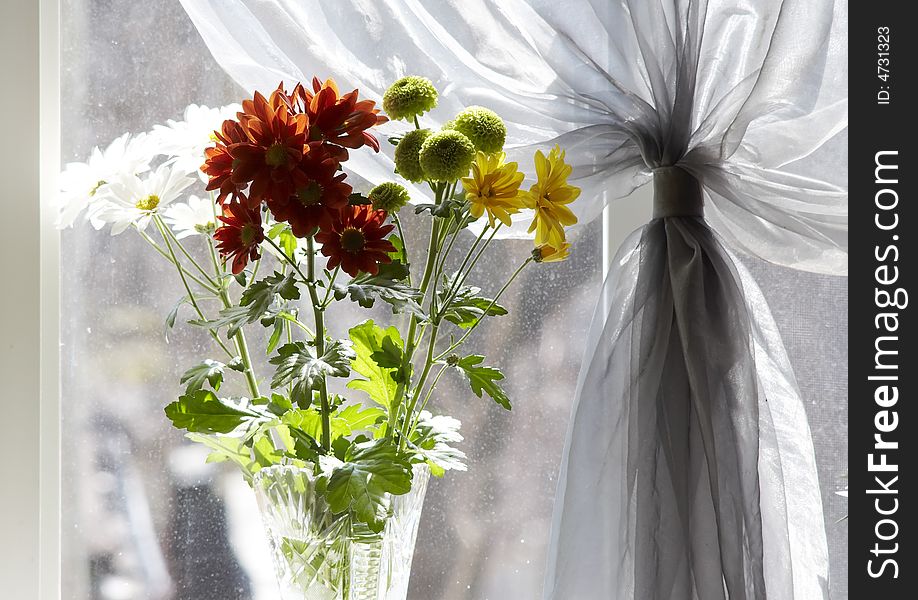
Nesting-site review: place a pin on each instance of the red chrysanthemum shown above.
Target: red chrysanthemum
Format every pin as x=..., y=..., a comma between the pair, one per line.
x=241, y=235
x=270, y=159
x=218, y=163
x=336, y=119
x=314, y=204
x=357, y=241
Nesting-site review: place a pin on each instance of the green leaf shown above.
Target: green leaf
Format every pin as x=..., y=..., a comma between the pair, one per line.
x=202, y=411
x=307, y=420
x=359, y=417
x=482, y=379
x=390, y=355
x=260, y=295
x=399, y=248
x=210, y=371
x=468, y=307
x=276, y=333
x=285, y=238
x=379, y=384
x=271, y=443
x=173, y=313
x=388, y=285
x=442, y=210
x=279, y=404
x=233, y=318
x=358, y=199
x=432, y=438
x=373, y=469
x=298, y=364
x=230, y=448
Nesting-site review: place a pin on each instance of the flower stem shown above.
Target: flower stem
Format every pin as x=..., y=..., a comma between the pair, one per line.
x=410, y=342
x=290, y=261
x=401, y=235
x=191, y=297
x=318, y=312
x=166, y=255
x=184, y=251
x=242, y=346
x=468, y=331
x=460, y=277
x=433, y=385
x=331, y=287
x=428, y=363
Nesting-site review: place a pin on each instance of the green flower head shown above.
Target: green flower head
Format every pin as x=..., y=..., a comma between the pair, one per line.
x=389, y=196
x=447, y=156
x=409, y=97
x=407, y=162
x=486, y=130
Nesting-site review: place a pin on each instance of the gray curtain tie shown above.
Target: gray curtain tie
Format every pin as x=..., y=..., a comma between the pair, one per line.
x=676, y=193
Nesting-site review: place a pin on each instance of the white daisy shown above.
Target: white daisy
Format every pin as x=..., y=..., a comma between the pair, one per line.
x=185, y=141
x=130, y=200
x=83, y=183
x=195, y=217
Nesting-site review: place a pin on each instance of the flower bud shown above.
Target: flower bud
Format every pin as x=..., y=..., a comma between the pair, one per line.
x=407, y=162
x=388, y=196
x=547, y=253
x=409, y=97
x=446, y=156
x=482, y=126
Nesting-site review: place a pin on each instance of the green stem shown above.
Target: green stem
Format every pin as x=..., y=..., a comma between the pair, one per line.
x=191, y=297
x=460, y=278
x=289, y=260
x=432, y=250
x=430, y=389
x=317, y=311
x=326, y=301
x=165, y=255
x=401, y=235
x=468, y=331
x=184, y=251
x=450, y=292
x=428, y=363
x=254, y=271
x=242, y=346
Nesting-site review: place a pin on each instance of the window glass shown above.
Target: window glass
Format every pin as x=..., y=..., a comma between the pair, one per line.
x=143, y=515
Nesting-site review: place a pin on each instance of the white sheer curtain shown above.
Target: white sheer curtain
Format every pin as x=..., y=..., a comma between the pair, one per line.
x=689, y=471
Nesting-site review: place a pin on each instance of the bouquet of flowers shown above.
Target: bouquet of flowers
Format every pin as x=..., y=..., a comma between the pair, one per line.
x=280, y=241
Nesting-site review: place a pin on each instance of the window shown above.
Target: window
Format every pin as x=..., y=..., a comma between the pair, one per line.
x=145, y=517
x=140, y=509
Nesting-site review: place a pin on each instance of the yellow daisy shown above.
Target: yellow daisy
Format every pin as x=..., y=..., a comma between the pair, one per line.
x=549, y=198
x=546, y=253
x=493, y=188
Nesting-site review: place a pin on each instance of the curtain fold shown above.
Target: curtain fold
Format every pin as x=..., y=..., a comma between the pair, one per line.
x=689, y=470
x=747, y=93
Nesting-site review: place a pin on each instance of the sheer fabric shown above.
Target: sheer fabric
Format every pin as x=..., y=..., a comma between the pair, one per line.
x=689, y=470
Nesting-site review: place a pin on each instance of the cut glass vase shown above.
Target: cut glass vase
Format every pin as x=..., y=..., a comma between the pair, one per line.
x=319, y=555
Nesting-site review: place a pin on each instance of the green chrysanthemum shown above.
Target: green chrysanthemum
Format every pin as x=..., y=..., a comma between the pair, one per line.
x=409, y=97
x=389, y=196
x=407, y=162
x=447, y=156
x=481, y=125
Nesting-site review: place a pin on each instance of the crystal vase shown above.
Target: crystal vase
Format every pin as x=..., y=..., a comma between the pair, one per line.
x=319, y=555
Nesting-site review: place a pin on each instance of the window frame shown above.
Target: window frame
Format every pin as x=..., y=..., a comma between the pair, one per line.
x=30, y=501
